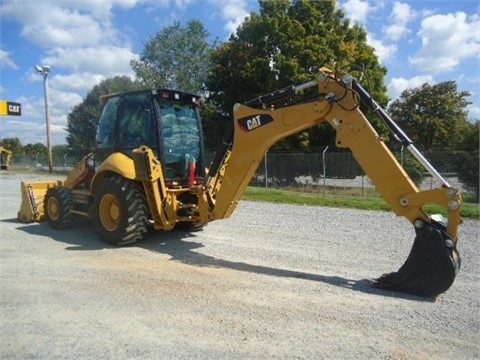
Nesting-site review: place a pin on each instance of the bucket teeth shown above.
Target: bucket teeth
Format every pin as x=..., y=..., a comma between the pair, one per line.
x=431, y=265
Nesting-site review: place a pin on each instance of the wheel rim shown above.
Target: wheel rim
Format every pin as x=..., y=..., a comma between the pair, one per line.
x=53, y=209
x=109, y=211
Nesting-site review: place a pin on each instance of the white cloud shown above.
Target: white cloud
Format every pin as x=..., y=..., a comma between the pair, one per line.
x=401, y=15
x=31, y=132
x=6, y=60
x=107, y=60
x=66, y=23
x=32, y=107
x=182, y=4
x=63, y=27
x=62, y=103
x=81, y=82
x=357, y=10
x=446, y=41
x=50, y=24
x=102, y=10
x=383, y=51
x=32, y=128
x=474, y=111
x=398, y=85
x=81, y=46
x=233, y=12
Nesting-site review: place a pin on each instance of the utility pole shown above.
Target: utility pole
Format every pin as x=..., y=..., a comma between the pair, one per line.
x=44, y=70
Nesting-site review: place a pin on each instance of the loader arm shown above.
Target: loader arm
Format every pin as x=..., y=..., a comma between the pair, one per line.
x=5, y=158
x=256, y=129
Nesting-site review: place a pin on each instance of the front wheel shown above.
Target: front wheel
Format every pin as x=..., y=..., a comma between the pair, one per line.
x=57, y=204
x=188, y=226
x=120, y=211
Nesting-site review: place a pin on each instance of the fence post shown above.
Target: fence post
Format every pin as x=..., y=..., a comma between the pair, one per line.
x=363, y=185
x=266, y=170
x=324, y=172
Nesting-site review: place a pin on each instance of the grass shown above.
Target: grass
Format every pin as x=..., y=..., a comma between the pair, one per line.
x=305, y=197
x=342, y=198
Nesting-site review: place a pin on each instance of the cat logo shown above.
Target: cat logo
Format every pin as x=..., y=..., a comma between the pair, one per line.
x=10, y=108
x=254, y=122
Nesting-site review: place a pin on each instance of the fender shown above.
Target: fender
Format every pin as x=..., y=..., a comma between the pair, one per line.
x=117, y=163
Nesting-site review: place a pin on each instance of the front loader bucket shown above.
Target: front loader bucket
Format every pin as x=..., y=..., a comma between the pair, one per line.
x=33, y=193
x=431, y=265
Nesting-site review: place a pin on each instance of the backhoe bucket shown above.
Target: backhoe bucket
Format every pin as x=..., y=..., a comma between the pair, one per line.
x=431, y=265
x=33, y=194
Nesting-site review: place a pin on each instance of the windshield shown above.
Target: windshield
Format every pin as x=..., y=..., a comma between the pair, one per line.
x=181, y=137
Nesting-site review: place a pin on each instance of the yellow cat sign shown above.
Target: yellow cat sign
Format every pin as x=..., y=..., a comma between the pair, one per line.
x=10, y=108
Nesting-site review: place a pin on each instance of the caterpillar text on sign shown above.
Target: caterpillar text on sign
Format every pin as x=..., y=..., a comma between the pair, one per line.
x=10, y=108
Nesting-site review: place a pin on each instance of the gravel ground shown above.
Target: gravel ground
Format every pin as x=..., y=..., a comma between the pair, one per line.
x=271, y=282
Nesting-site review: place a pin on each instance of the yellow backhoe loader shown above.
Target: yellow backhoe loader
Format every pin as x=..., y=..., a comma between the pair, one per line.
x=5, y=158
x=149, y=170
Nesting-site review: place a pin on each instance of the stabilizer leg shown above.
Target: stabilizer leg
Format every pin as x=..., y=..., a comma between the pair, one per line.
x=431, y=265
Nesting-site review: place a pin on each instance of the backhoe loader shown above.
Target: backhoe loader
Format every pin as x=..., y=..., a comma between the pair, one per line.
x=149, y=170
x=5, y=158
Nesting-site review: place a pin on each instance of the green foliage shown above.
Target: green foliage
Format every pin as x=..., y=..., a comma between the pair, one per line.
x=176, y=57
x=82, y=121
x=414, y=169
x=12, y=144
x=287, y=43
x=58, y=153
x=468, y=171
x=433, y=116
x=468, y=168
x=34, y=149
x=469, y=135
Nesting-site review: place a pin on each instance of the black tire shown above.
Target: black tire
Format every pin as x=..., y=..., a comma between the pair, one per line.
x=57, y=205
x=120, y=211
x=189, y=226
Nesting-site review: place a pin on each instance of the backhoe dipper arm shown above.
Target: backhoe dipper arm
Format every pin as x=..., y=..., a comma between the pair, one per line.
x=433, y=262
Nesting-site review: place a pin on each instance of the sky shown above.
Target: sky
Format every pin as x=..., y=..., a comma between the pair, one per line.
x=87, y=41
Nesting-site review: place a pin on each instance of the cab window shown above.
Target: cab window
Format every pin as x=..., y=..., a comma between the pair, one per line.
x=136, y=121
x=105, y=136
x=181, y=137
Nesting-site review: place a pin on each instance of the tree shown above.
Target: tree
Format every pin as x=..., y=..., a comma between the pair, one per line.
x=33, y=149
x=433, y=116
x=12, y=144
x=176, y=57
x=59, y=153
x=469, y=136
x=82, y=121
x=467, y=164
x=285, y=44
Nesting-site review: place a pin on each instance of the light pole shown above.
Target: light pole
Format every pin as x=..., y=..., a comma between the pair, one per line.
x=44, y=70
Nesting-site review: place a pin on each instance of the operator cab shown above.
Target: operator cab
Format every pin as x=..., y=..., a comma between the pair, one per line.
x=166, y=121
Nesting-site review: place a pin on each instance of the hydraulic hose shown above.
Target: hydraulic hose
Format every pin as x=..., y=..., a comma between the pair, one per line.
x=366, y=98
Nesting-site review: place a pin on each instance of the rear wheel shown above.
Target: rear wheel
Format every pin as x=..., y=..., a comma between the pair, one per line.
x=121, y=212
x=57, y=204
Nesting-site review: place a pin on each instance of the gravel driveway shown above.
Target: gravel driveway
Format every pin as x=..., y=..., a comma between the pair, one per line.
x=271, y=282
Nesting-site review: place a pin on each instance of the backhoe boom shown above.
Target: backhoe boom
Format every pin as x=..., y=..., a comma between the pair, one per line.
x=257, y=128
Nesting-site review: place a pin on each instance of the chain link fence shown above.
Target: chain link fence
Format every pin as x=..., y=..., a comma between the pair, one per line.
x=331, y=172
x=327, y=171
x=63, y=163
